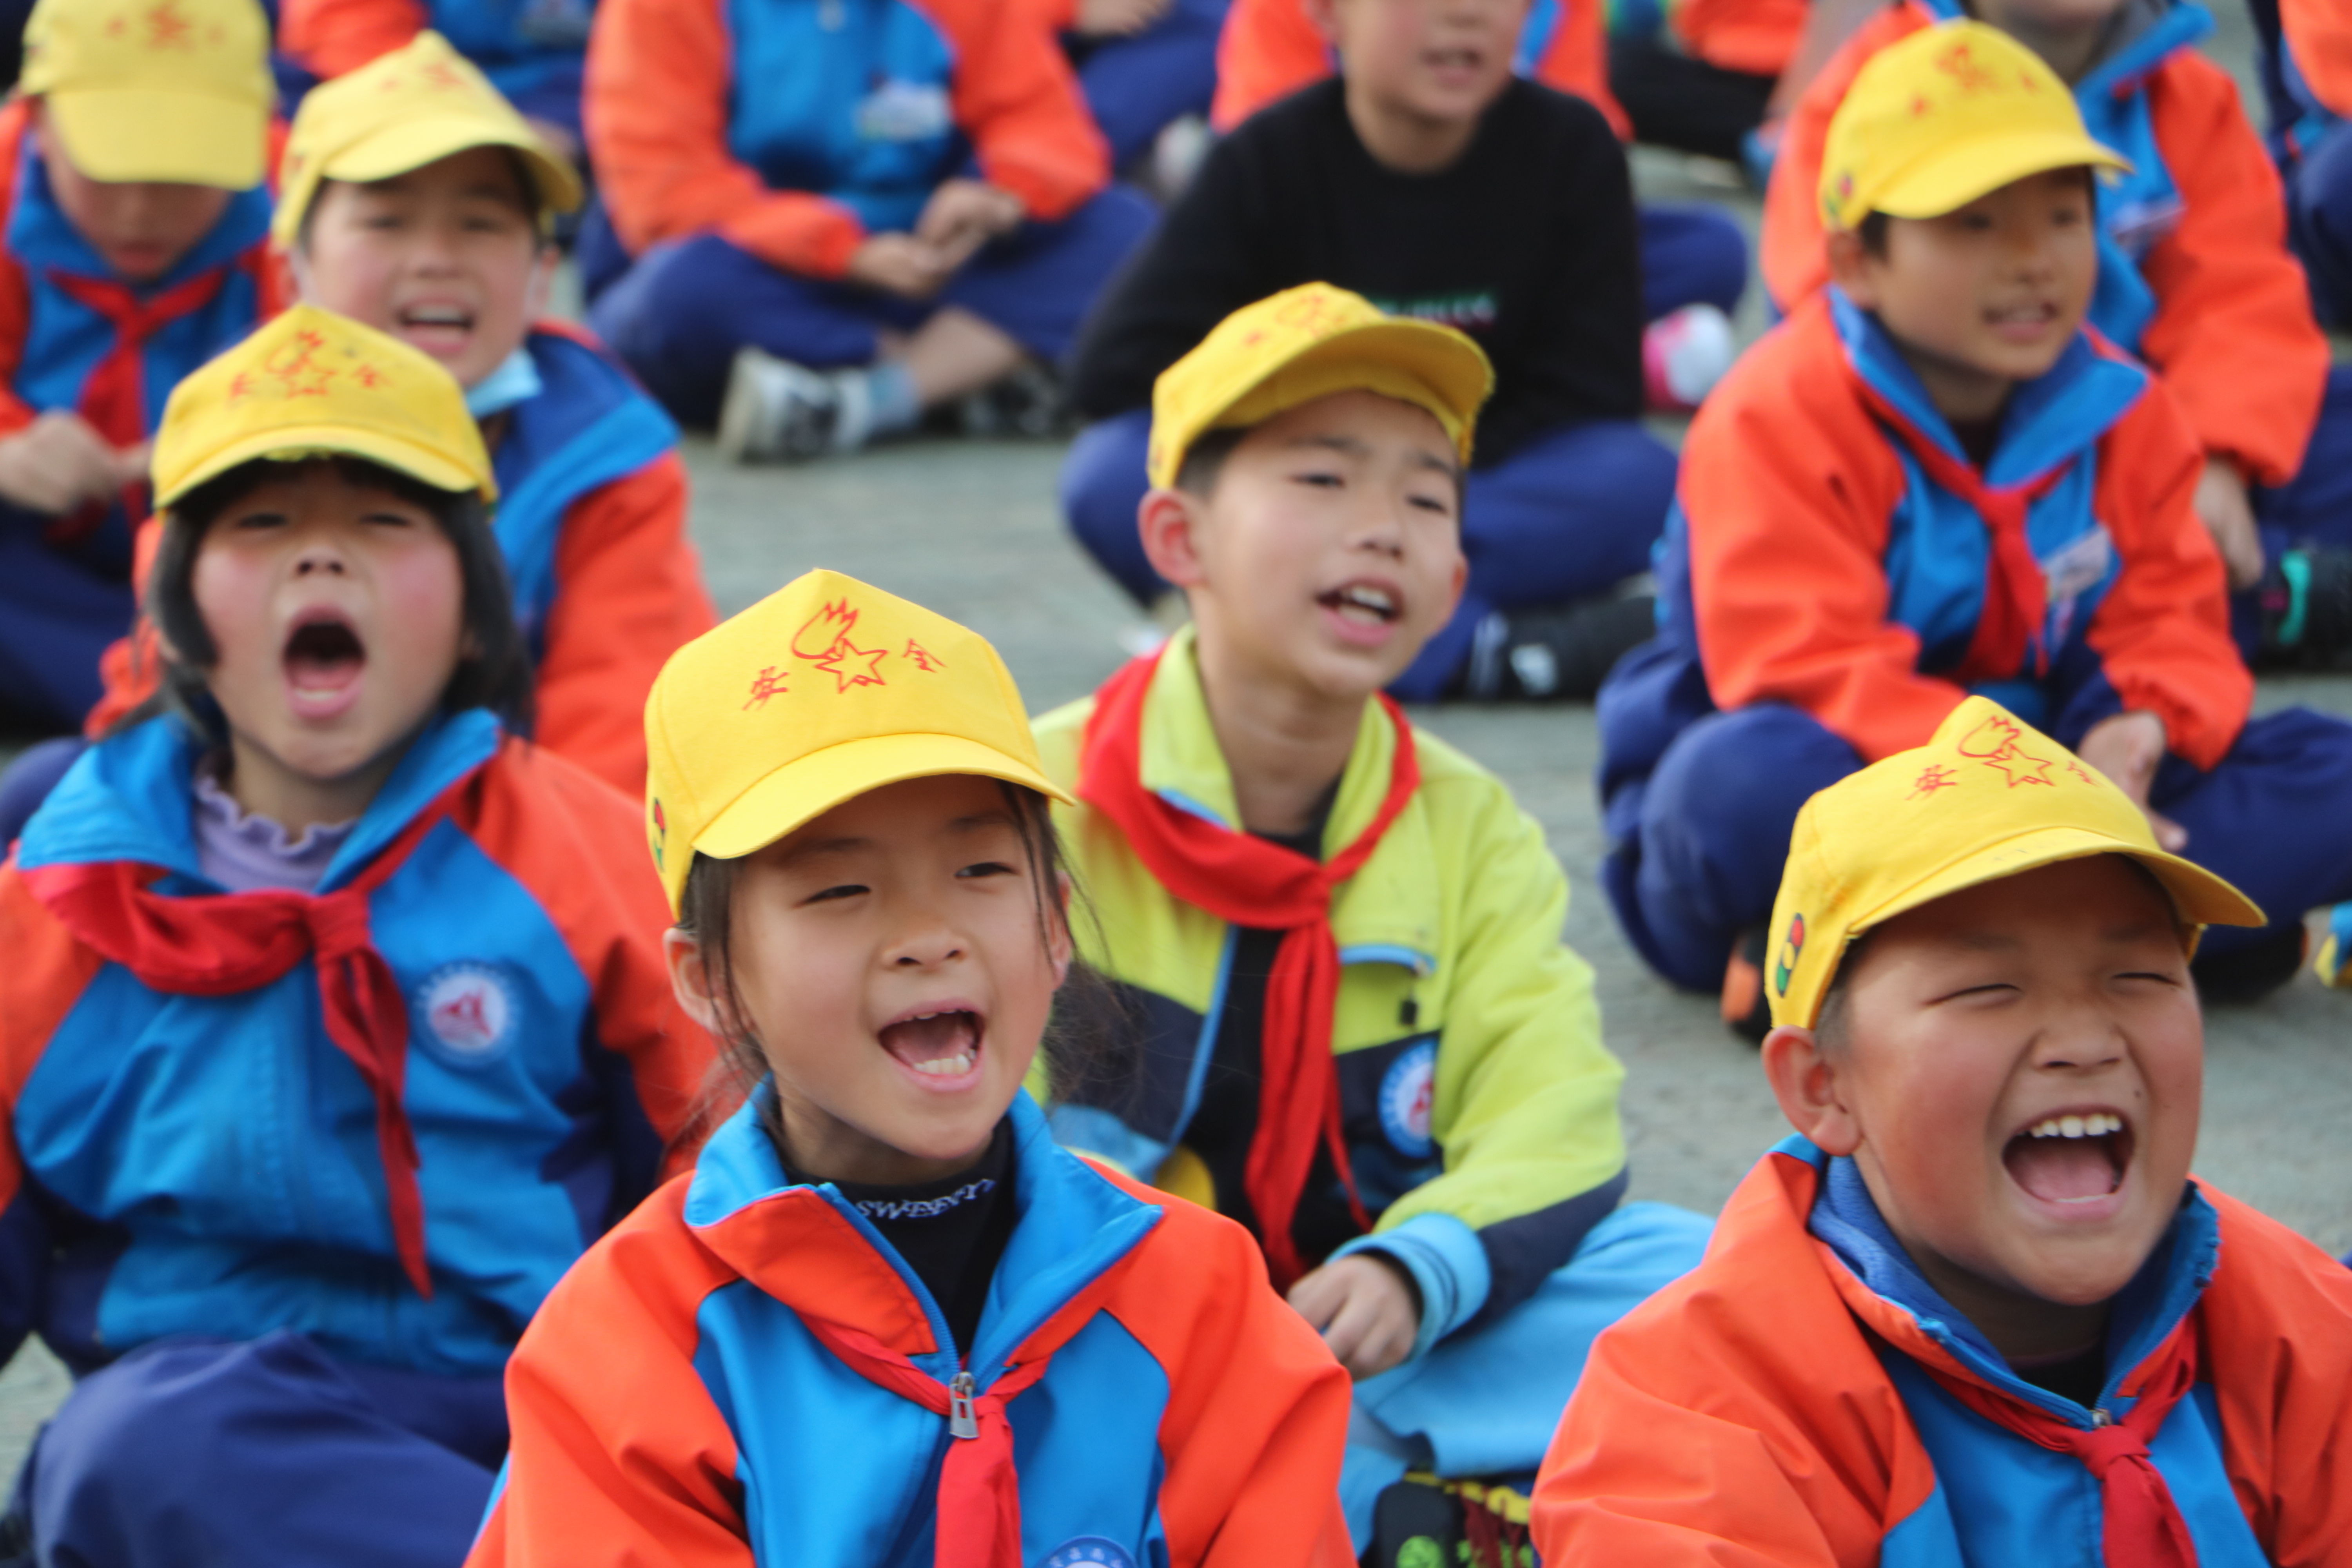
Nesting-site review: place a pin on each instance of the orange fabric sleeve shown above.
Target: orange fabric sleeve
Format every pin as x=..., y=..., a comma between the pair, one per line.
x=1268, y=50
x=1257, y=1420
x=2319, y=35
x=618, y=1456
x=2162, y=632
x=1789, y=249
x=45, y=975
x=329, y=37
x=628, y=595
x=1576, y=61
x=1015, y=97
x=655, y=106
x=2233, y=335
x=2276, y=1345
x=1788, y=530
x=578, y=845
x=1757, y=37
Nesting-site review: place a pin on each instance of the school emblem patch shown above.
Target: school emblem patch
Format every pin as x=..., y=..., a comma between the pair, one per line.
x=1408, y=1093
x=1791, y=946
x=470, y=1011
x=1089, y=1552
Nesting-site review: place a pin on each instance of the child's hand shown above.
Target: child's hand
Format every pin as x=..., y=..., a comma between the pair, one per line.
x=899, y=264
x=965, y=215
x=2127, y=748
x=2229, y=516
x=1366, y=1310
x=1117, y=18
x=57, y=463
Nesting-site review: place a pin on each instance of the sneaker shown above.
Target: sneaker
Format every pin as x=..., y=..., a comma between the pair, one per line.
x=1025, y=403
x=2306, y=602
x=1424, y=1522
x=1684, y=355
x=1554, y=655
x=1745, y=1011
x=776, y=411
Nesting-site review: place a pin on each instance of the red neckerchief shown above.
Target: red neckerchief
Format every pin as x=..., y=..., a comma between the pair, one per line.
x=222, y=943
x=114, y=399
x=2141, y=1524
x=2015, y=600
x=1245, y=880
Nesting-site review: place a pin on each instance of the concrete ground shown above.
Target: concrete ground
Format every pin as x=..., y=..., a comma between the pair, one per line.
x=970, y=530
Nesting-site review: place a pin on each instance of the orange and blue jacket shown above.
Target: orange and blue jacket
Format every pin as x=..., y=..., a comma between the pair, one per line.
x=2194, y=273
x=1773, y=1406
x=592, y=522
x=532, y=54
x=1755, y=37
x=1810, y=559
x=1269, y=50
x=672, y=1402
x=209, y=1164
x=2316, y=68
x=862, y=108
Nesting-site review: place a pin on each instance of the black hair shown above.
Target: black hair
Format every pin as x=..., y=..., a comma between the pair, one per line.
x=1872, y=229
x=1081, y=1037
x=1205, y=459
x=493, y=671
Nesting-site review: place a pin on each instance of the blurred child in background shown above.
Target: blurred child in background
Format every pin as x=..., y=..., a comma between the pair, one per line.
x=1143, y=65
x=886, y=1322
x=133, y=247
x=843, y=211
x=334, y=1027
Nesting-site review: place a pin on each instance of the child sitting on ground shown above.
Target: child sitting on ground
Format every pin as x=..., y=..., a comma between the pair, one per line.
x=1349, y=1019
x=1932, y=480
x=843, y=213
x=2195, y=276
x=333, y=1026
x=883, y=1281
x=1407, y=179
x=133, y=247
x=417, y=201
x=1978, y=1311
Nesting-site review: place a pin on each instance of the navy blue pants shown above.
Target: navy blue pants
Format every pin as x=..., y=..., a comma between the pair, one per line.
x=1137, y=85
x=1711, y=827
x=682, y=311
x=260, y=1454
x=1566, y=517
x=59, y=609
x=1691, y=256
x=2319, y=221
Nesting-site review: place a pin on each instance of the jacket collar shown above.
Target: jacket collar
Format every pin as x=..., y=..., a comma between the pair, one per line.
x=2054, y=418
x=2144, y=36
x=1381, y=912
x=132, y=797
x=1887, y=1290
x=808, y=1247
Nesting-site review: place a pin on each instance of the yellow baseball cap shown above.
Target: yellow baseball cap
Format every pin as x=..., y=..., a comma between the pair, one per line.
x=822, y=690
x=1947, y=115
x=420, y=103
x=1309, y=343
x=175, y=90
x=1988, y=797
x=308, y=384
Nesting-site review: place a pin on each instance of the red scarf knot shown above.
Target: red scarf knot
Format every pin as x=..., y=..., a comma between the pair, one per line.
x=1246, y=880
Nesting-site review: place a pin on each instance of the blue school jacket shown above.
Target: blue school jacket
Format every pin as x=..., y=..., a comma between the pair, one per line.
x=181, y=1165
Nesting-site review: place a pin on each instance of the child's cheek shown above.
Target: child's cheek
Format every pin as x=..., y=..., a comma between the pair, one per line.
x=231, y=588
x=351, y=274
x=424, y=597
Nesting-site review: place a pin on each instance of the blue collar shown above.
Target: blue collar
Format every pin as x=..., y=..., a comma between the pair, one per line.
x=2157, y=29
x=132, y=797
x=2057, y=415
x=2141, y=1316
x=516, y=380
x=45, y=239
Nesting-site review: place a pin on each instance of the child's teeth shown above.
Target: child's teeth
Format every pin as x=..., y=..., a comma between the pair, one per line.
x=2072, y=1126
x=2098, y=1124
x=947, y=1067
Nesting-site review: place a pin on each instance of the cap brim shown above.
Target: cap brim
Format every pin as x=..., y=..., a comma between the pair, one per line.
x=400, y=148
x=2199, y=896
x=294, y=442
x=146, y=134
x=1951, y=178
x=806, y=788
x=1448, y=363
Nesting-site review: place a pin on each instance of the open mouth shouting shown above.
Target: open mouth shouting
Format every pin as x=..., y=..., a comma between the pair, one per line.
x=1363, y=610
x=324, y=660
x=2075, y=1161
x=2027, y=321
x=438, y=327
x=939, y=1045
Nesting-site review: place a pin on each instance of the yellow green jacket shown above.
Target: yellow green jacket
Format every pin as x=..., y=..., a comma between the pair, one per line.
x=1479, y=1104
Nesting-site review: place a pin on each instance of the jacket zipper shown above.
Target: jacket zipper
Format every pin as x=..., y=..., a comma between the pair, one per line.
x=962, y=1422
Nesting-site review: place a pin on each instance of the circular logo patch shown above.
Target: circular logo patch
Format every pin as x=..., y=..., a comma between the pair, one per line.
x=469, y=1011
x=1089, y=1552
x=1408, y=1090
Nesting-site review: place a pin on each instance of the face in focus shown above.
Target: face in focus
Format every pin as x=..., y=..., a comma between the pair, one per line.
x=1440, y=62
x=1330, y=549
x=2023, y=1069
x=447, y=257
x=338, y=611
x=140, y=228
x=1985, y=295
x=896, y=968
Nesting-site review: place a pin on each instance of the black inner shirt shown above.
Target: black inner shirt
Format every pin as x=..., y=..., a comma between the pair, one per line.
x=952, y=1232
x=2081, y=1377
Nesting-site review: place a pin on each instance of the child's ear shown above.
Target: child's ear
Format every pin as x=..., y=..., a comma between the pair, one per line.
x=691, y=981
x=1849, y=267
x=1170, y=522
x=1060, y=947
x=1809, y=1084
x=543, y=280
